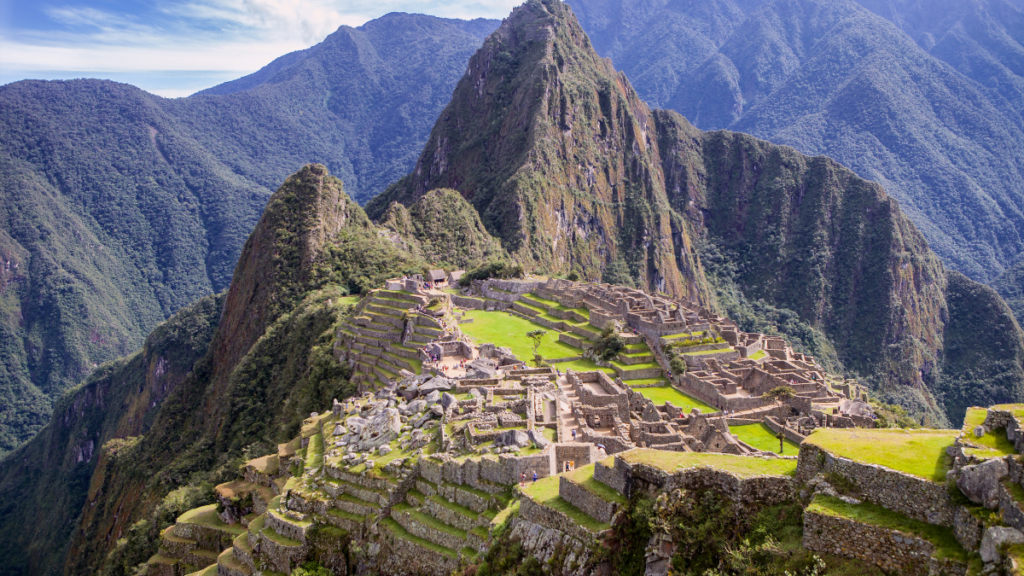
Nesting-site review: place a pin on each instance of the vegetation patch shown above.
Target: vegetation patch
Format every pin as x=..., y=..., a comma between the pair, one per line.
x=661, y=394
x=761, y=437
x=545, y=493
x=740, y=466
x=945, y=543
x=921, y=453
x=504, y=329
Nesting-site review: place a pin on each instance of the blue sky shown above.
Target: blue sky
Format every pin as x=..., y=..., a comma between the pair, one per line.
x=176, y=47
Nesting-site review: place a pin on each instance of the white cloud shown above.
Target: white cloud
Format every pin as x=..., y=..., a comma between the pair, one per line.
x=204, y=35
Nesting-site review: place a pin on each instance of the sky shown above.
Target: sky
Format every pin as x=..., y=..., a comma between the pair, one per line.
x=177, y=47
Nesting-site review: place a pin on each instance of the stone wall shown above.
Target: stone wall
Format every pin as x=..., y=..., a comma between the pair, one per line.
x=915, y=497
x=616, y=476
x=580, y=453
x=967, y=528
x=891, y=550
x=551, y=518
x=789, y=433
x=401, y=556
x=590, y=504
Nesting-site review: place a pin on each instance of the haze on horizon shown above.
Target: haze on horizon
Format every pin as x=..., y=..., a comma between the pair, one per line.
x=175, y=48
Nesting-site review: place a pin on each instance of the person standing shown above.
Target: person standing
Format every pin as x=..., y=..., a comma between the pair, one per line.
x=534, y=476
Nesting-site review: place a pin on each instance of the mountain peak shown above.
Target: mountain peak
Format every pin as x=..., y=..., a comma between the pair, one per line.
x=559, y=156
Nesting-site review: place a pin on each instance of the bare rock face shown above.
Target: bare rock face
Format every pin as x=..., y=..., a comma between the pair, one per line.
x=995, y=538
x=513, y=438
x=538, y=439
x=438, y=383
x=980, y=482
x=381, y=429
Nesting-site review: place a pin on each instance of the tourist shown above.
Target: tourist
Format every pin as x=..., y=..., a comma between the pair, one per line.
x=534, y=476
x=574, y=435
x=567, y=466
x=522, y=480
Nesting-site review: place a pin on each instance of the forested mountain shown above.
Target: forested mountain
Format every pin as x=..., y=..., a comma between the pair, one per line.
x=929, y=105
x=118, y=207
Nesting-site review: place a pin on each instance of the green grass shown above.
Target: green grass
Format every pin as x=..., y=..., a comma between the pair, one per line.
x=921, y=453
x=641, y=347
x=945, y=543
x=584, y=477
x=282, y=540
x=207, y=516
x=503, y=329
x=430, y=521
x=350, y=300
x=706, y=352
x=583, y=365
x=315, y=451
x=995, y=440
x=544, y=301
x=545, y=493
x=761, y=437
x=551, y=434
x=395, y=528
x=210, y=570
x=740, y=466
x=663, y=394
x=632, y=367
x=646, y=382
x=346, y=515
x=454, y=507
x=505, y=514
x=758, y=355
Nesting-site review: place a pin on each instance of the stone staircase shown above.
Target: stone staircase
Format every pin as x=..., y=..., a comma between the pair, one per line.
x=374, y=338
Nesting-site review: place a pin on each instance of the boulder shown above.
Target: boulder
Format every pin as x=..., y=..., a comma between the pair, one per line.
x=994, y=538
x=447, y=401
x=381, y=429
x=980, y=482
x=979, y=431
x=383, y=450
x=480, y=369
x=513, y=438
x=475, y=393
x=417, y=406
x=356, y=423
x=537, y=437
x=437, y=410
x=438, y=383
x=339, y=430
x=433, y=397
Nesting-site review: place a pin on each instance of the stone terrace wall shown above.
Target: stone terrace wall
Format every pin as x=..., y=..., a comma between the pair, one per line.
x=891, y=550
x=590, y=504
x=915, y=497
x=551, y=518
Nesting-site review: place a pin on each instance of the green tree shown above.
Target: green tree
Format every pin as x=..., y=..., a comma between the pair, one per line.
x=537, y=336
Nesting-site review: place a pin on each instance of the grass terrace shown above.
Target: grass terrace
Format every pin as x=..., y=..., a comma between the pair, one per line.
x=761, y=437
x=1016, y=409
x=207, y=516
x=395, y=528
x=921, y=453
x=584, y=477
x=740, y=466
x=708, y=352
x=632, y=367
x=545, y=493
x=349, y=300
x=503, y=329
x=995, y=441
x=583, y=365
x=758, y=355
x=663, y=394
x=945, y=543
x=646, y=382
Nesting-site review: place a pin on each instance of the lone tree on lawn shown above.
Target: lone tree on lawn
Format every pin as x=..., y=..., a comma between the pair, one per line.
x=780, y=394
x=537, y=336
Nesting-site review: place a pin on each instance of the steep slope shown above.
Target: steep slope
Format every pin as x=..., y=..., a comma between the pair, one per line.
x=937, y=122
x=558, y=154
x=120, y=207
x=442, y=228
x=270, y=363
x=47, y=479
